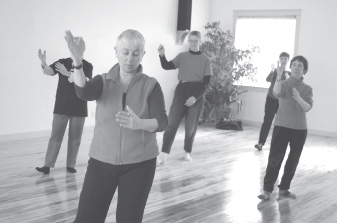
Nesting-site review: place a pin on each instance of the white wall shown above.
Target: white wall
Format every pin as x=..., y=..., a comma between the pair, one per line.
x=317, y=42
x=27, y=96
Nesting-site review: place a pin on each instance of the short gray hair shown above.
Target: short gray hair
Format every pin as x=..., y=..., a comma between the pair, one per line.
x=132, y=35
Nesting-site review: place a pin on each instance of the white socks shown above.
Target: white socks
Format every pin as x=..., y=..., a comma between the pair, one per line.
x=187, y=157
x=162, y=158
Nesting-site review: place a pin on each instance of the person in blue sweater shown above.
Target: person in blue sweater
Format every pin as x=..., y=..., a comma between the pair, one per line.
x=193, y=75
x=290, y=127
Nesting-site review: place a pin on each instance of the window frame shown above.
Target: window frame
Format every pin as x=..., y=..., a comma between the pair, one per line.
x=296, y=13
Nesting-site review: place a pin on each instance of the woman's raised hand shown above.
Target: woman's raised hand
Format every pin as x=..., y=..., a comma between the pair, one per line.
x=279, y=69
x=75, y=47
x=42, y=57
x=161, y=50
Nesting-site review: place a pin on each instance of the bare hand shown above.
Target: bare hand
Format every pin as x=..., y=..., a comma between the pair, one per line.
x=75, y=47
x=71, y=78
x=161, y=50
x=295, y=94
x=42, y=57
x=279, y=69
x=190, y=101
x=61, y=69
x=128, y=119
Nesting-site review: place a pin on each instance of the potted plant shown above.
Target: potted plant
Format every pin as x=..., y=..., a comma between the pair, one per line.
x=229, y=66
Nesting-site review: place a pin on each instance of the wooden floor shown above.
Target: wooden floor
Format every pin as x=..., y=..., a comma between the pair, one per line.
x=220, y=185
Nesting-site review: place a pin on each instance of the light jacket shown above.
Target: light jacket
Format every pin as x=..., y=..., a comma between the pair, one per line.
x=112, y=143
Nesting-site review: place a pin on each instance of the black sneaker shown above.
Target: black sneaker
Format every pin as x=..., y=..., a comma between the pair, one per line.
x=71, y=170
x=44, y=169
x=258, y=146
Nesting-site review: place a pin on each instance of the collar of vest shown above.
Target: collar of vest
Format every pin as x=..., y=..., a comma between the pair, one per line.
x=113, y=73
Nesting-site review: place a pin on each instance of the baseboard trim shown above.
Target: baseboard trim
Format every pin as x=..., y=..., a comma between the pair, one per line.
x=310, y=131
x=32, y=135
x=46, y=133
x=322, y=133
x=249, y=122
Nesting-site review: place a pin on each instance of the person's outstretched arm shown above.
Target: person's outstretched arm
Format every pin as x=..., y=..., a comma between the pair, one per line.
x=157, y=108
x=76, y=51
x=92, y=89
x=158, y=118
x=203, y=86
x=305, y=105
x=200, y=89
x=270, y=76
x=166, y=65
x=47, y=70
x=277, y=90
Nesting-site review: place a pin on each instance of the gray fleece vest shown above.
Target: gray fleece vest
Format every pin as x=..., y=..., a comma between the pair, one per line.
x=112, y=143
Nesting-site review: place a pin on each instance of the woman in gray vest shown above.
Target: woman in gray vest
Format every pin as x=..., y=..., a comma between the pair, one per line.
x=130, y=110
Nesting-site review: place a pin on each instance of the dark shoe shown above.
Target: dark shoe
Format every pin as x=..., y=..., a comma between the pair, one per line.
x=44, y=169
x=258, y=146
x=71, y=170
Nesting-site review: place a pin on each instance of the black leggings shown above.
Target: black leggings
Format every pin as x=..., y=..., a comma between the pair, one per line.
x=134, y=182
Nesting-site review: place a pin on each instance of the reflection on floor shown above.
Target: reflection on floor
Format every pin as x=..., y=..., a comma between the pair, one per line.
x=220, y=185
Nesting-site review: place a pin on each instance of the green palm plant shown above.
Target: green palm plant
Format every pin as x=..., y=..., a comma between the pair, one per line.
x=229, y=66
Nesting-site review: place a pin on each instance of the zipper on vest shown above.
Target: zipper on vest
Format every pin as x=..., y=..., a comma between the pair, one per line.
x=120, y=145
x=121, y=128
x=121, y=134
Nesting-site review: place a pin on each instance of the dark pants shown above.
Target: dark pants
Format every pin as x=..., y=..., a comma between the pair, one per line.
x=270, y=111
x=178, y=111
x=134, y=182
x=279, y=143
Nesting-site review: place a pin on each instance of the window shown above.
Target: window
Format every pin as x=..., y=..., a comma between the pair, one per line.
x=273, y=32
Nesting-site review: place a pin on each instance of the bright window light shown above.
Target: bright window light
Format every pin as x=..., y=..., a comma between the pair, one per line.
x=272, y=34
